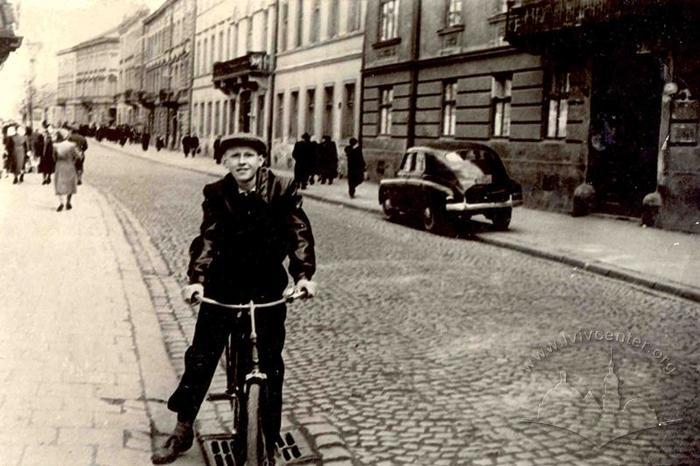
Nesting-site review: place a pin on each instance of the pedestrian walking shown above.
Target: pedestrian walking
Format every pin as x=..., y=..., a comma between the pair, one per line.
x=145, y=141
x=46, y=160
x=217, y=150
x=18, y=157
x=82, y=145
x=303, y=154
x=38, y=143
x=195, y=145
x=356, y=166
x=66, y=153
x=7, y=133
x=252, y=221
x=328, y=160
x=187, y=144
x=160, y=142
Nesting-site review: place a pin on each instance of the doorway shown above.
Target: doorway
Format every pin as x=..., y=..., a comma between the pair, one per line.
x=624, y=130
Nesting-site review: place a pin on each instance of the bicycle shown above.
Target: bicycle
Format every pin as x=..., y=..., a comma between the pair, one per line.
x=248, y=391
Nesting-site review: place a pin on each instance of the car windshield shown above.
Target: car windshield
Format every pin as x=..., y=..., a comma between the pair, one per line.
x=472, y=165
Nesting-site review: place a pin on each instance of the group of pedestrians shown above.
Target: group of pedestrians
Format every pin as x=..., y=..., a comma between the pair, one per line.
x=58, y=152
x=312, y=159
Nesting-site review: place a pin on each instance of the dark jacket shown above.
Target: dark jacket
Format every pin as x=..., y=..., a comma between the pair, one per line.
x=356, y=165
x=244, y=240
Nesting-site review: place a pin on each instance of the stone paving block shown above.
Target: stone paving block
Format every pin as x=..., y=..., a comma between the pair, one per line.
x=11, y=418
x=63, y=418
x=122, y=457
x=318, y=429
x=10, y=454
x=54, y=455
x=91, y=436
x=335, y=453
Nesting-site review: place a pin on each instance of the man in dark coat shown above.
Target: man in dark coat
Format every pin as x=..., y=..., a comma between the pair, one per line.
x=187, y=144
x=47, y=164
x=145, y=141
x=217, y=150
x=195, y=145
x=328, y=160
x=356, y=166
x=252, y=221
x=303, y=155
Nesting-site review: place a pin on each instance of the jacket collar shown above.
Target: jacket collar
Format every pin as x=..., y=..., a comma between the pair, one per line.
x=263, y=182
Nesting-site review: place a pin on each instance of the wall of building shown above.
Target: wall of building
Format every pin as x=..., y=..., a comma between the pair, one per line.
x=329, y=63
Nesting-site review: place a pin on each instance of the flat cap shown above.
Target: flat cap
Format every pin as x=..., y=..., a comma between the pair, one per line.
x=244, y=140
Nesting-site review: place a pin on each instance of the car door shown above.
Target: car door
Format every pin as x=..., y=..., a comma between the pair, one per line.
x=414, y=192
x=401, y=189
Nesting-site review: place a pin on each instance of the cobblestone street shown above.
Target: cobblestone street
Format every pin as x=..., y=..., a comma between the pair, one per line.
x=425, y=350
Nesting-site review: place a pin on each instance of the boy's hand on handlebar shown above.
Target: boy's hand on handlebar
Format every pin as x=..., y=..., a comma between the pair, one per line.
x=307, y=287
x=192, y=293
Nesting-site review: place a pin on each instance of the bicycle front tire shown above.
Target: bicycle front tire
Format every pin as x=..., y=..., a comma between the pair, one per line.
x=256, y=451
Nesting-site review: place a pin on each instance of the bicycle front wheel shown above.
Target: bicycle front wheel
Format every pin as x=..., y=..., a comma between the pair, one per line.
x=256, y=451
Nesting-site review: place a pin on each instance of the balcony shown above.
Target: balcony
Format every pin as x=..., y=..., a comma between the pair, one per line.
x=9, y=42
x=61, y=101
x=242, y=73
x=167, y=98
x=146, y=99
x=535, y=24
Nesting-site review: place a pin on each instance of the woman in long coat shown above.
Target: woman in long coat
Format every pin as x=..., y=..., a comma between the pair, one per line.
x=19, y=156
x=66, y=177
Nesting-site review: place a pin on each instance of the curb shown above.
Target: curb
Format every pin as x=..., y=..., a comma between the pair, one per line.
x=610, y=271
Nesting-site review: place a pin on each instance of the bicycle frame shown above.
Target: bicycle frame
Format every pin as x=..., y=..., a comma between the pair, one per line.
x=234, y=385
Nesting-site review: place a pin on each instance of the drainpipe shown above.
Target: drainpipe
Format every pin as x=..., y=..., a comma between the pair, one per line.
x=413, y=96
x=271, y=86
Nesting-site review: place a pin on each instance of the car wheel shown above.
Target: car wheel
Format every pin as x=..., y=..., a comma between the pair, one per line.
x=388, y=209
x=501, y=219
x=433, y=220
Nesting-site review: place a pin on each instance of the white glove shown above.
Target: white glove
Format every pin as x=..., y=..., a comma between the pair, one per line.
x=188, y=293
x=308, y=286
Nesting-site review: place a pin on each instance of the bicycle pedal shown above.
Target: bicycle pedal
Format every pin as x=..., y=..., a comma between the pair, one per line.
x=220, y=397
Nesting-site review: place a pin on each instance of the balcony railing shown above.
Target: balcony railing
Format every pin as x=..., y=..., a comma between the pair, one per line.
x=538, y=17
x=233, y=74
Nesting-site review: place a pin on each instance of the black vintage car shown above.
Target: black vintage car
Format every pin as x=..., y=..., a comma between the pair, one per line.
x=443, y=185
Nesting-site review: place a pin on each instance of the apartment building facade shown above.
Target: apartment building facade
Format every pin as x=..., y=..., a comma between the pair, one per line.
x=66, y=98
x=217, y=40
x=442, y=72
x=243, y=80
x=168, y=48
x=130, y=83
x=317, y=74
x=87, y=81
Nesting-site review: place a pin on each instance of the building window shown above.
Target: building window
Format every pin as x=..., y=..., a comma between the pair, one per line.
x=349, y=111
x=279, y=115
x=205, y=53
x=284, y=26
x=333, y=19
x=260, y=116
x=228, y=43
x=212, y=57
x=454, y=12
x=310, y=111
x=234, y=44
x=501, y=91
x=293, y=115
x=557, y=104
x=232, y=117
x=388, y=20
x=315, y=21
x=207, y=131
x=449, y=108
x=221, y=45
x=217, y=118
x=198, y=56
x=328, y=111
x=249, y=36
x=300, y=24
x=265, y=31
x=386, y=100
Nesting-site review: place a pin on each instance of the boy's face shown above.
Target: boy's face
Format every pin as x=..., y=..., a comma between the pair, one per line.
x=242, y=162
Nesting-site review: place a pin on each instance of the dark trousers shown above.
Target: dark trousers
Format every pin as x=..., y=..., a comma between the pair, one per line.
x=210, y=335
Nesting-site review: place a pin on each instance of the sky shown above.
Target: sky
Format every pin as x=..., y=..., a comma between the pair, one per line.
x=55, y=25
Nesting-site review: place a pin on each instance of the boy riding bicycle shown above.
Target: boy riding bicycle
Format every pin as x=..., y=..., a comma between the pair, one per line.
x=252, y=221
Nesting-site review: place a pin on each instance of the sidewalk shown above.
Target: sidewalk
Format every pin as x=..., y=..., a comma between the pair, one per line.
x=663, y=260
x=83, y=369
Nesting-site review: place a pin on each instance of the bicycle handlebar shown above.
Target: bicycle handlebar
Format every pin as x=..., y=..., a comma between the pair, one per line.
x=286, y=298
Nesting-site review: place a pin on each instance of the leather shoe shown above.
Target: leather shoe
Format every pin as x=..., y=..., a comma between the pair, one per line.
x=179, y=442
